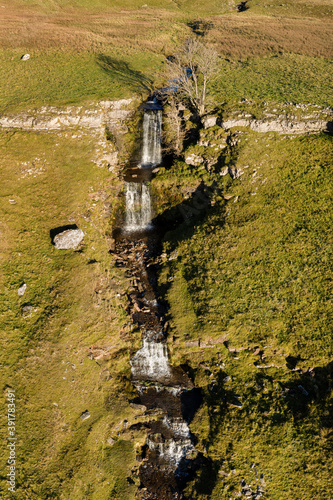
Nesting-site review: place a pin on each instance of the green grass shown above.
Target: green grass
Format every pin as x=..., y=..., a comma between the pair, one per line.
x=281, y=78
x=60, y=78
x=255, y=270
x=45, y=357
x=272, y=250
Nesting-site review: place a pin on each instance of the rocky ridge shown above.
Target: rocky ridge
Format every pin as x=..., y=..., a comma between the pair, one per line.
x=105, y=119
x=285, y=118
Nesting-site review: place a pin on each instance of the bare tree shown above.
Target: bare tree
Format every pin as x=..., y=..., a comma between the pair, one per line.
x=191, y=71
x=174, y=129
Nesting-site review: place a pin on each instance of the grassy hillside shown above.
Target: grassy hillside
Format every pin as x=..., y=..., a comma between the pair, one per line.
x=249, y=282
x=49, y=180
x=103, y=49
x=252, y=282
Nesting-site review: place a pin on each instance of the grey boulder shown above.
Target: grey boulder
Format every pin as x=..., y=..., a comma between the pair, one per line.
x=68, y=239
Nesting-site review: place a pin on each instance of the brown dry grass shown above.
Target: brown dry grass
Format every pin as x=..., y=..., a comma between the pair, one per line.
x=241, y=37
x=82, y=31
x=157, y=30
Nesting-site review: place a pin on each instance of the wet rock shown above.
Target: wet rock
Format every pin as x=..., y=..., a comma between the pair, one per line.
x=304, y=391
x=69, y=239
x=22, y=290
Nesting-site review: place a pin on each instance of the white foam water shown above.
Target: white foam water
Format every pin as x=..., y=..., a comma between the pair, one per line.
x=151, y=362
x=138, y=206
x=151, y=147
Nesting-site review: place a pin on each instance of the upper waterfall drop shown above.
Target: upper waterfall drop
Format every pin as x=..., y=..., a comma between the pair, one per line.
x=139, y=209
x=152, y=125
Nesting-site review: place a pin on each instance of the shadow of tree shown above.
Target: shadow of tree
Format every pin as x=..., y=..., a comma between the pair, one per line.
x=131, y=77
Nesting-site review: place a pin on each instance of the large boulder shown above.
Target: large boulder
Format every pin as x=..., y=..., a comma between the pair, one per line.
x=209, y=121
x=68, y=239
x=194, y=160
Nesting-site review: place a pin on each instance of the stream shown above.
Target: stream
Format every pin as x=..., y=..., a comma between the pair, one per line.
x=169, y=456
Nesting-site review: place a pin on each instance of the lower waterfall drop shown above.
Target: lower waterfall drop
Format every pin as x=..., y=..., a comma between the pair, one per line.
x=138, y=206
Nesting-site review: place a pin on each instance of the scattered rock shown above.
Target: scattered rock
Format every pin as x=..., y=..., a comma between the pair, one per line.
x=68, y=239
x=192, y=343
x=85, y=415
x=235, y=173
x=28, y=311
x=138, y=407
x=22, y=289
x=25, y=57
x=224, y=171
x=110, y=441
x=194, y=160
x=209, y=121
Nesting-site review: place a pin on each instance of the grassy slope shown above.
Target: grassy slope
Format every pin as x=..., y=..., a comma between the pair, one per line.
x=255, y=271
x=99, y=49
x=103, y=50
x=45, y=357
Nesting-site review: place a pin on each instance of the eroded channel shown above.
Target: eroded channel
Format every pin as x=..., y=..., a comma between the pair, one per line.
x=169, y=457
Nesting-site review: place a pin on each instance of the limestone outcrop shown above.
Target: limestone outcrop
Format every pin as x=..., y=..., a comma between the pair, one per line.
x=68, y=239
x=111, y=114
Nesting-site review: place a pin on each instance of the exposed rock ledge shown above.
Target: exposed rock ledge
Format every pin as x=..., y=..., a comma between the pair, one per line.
x=112, y=114
x=94, y=118
x=282, y=127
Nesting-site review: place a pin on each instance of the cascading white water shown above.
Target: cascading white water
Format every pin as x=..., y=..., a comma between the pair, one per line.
x=138, y=206
x=139, y=211
x=172, y=450
x=151, y=362
x=151, y=148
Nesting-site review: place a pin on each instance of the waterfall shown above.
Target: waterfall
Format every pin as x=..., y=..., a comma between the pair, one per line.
x=138, y=206
x=151, y=362
x=151, y=148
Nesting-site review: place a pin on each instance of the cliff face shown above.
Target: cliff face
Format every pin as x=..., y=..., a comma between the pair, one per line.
x=112, y=114
x=106, y=120
x=283, y=118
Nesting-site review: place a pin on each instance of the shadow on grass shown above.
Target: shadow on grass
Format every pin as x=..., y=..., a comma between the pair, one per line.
x=123, y=71
x=200, y=27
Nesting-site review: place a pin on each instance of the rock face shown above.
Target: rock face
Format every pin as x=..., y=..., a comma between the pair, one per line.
x=280, y=126
x=194, y=160
x=68, y=239
x=97, y=119
x=111, y=114
x=22, y=290
x=209, y=121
